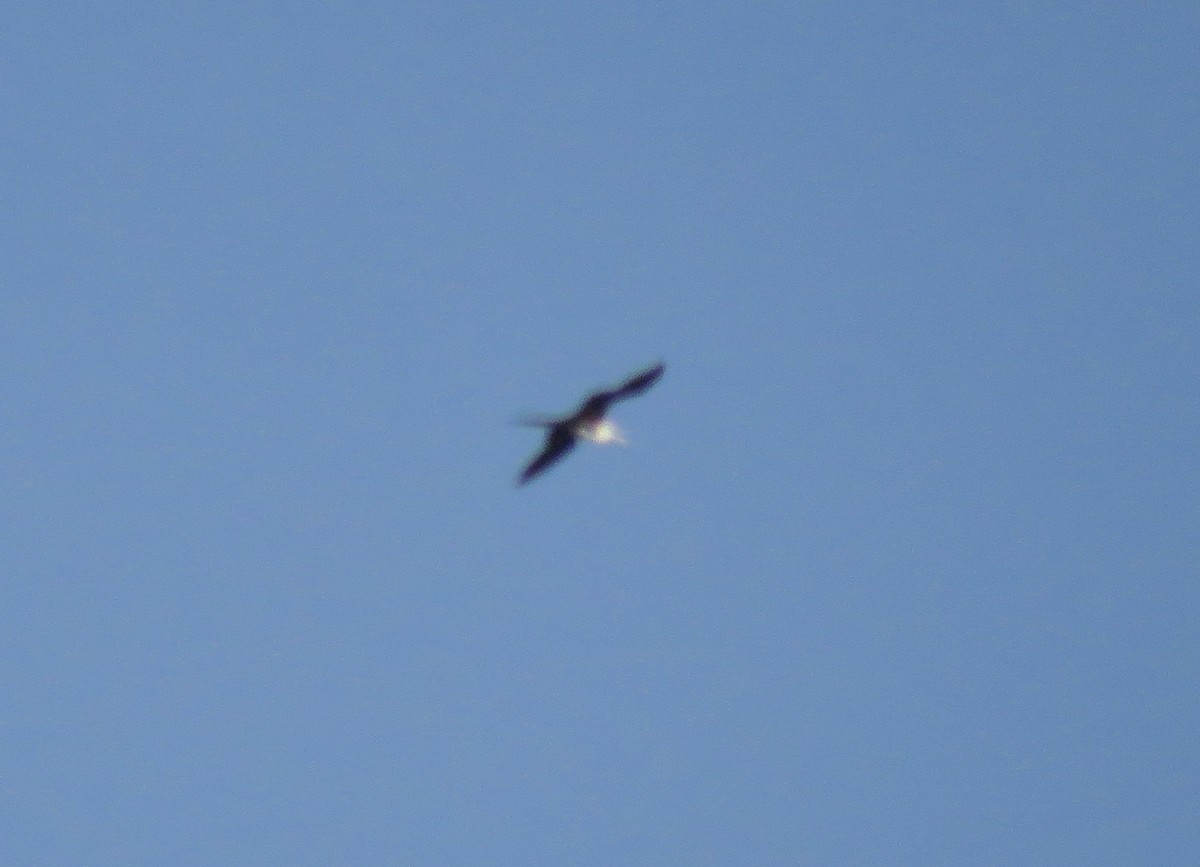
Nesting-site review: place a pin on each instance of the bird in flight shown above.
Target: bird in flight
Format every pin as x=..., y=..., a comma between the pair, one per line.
x=588, y=422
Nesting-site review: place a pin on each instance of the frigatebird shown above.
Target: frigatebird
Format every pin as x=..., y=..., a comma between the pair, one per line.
x=588, y=422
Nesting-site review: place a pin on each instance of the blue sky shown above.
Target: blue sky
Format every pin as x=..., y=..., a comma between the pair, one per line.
x=899, y=567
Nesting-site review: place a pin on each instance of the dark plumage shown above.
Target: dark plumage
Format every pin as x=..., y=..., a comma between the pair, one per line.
x=588, y=422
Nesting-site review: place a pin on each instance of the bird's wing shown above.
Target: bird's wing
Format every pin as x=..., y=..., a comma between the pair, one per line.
x=596, y=405
x=558, y=442
x=641, y=382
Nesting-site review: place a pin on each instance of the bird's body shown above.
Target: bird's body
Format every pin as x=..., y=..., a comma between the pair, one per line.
x=588, y=422
x=601, y=432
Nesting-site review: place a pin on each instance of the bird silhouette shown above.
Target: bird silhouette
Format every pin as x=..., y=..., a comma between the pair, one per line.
x=588, y=422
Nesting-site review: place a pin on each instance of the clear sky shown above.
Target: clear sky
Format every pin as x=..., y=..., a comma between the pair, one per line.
x=901, y=565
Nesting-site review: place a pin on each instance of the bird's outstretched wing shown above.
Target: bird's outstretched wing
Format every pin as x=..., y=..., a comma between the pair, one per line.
x=596, y=405
x=559, y=441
